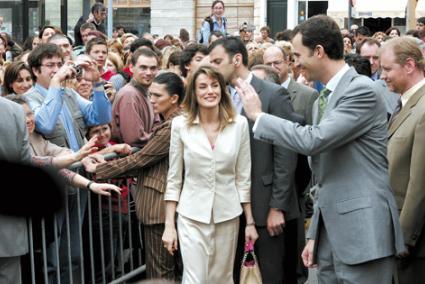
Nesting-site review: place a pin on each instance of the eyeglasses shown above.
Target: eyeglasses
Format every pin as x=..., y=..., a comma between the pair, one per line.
x=52, y=65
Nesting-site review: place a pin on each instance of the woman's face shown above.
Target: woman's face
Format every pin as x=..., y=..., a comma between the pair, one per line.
x=47, y=33
x=162, y=102
x=29, y=118
x=393, y=33
x=208, y=91
x=110, y=66
x=128, y=41
x=103, y=133
x=218, y=9
x=347, y=43
x=23, y=83
x=35, y=42
x=84, y=88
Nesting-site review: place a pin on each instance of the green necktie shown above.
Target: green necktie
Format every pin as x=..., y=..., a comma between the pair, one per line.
x=323, y=101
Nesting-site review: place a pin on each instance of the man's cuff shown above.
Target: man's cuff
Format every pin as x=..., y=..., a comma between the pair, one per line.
x=256, y=121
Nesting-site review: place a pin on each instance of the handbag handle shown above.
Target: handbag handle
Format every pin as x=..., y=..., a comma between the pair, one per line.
x=249, y=246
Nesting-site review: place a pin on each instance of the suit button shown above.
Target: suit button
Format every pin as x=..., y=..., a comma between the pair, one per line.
x=320, y=185
x=414, y=237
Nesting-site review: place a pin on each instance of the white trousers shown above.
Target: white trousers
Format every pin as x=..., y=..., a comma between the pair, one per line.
x=208, y=250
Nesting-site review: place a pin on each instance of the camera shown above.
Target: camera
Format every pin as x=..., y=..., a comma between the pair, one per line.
x=78, y=70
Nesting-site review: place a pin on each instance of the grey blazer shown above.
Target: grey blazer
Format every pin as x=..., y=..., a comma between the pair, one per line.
x=14, y=148
x=273, y=167
x=302, y=98
x=348, y=151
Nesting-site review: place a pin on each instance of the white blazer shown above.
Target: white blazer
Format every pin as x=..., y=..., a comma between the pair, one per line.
x=216, y=181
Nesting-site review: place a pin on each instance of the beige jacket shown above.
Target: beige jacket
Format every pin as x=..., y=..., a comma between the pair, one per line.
x=216, y=181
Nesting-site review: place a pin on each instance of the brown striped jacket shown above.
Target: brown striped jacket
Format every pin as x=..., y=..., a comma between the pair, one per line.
x=151, y=164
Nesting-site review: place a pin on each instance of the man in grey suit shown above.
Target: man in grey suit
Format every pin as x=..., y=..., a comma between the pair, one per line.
x=355, y=232
x=273, y=193
x=302, y=98
x=13, y=230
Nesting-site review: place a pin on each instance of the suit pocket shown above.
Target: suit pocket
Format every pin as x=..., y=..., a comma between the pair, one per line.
x=350, y=205
x=267, y=180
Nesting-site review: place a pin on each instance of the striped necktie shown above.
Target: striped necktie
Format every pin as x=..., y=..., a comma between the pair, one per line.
x=323, y=101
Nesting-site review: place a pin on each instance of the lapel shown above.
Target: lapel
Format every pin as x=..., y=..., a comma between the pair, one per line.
x=405, y=111
x=339, y=91
x=292, y=89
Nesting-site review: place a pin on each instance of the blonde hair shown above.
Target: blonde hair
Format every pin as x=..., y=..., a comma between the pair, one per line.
x=405, y=47
x=117, y=45
x=190, y=102
x=116, y=60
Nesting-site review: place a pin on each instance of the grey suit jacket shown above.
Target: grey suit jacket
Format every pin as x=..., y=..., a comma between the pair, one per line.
x=302, y=98
x=14, y=148
x=273, y=167
x=348, y=152
x=390, y=98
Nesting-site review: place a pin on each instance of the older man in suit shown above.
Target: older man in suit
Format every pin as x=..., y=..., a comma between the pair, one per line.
x=273, y=194
x=355, y=232
x=402, y=68
x=14, y=147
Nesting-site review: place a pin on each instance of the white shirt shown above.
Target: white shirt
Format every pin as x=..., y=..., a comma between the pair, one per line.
x=286, y=83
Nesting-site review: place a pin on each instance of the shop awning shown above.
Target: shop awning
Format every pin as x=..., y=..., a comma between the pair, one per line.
x=368, y=8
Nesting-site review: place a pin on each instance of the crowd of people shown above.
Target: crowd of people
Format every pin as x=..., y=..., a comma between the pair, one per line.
x=308, y=145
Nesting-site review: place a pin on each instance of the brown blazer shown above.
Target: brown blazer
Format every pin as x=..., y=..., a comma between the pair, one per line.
x=406, y=157
x=151, y=164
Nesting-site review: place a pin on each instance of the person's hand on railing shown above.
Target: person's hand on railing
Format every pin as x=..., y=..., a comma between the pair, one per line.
x=104, y=188
x=90, y=162
x=123, y=149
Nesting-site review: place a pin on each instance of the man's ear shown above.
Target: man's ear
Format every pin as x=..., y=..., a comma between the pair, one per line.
x=319, y=50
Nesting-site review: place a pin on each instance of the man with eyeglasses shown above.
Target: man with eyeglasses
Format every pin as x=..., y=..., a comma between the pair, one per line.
x=302, y=97
x=133, y=117
x=62, y=117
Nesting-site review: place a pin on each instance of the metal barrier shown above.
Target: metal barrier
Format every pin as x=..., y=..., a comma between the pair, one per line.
x=95, y=239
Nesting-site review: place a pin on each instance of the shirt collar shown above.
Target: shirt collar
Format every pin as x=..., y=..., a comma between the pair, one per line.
x=409, y=93
x=40, y=89
x=334, y=81
x=286, y=83
x=248, y=80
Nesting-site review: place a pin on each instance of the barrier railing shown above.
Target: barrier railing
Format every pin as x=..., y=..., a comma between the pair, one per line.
x=94, y=239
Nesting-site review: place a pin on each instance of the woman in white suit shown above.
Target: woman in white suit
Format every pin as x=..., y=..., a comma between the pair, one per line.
x=208, y=181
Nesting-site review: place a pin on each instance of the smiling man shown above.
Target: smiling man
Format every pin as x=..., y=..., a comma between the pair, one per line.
x=133, y=118
x=355, y=233
x=402, y=69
